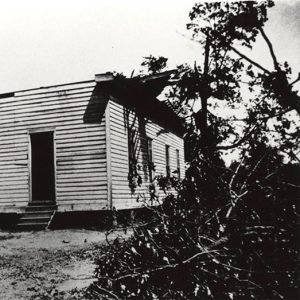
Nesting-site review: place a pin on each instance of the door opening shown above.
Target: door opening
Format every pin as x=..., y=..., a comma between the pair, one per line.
x=42, y=167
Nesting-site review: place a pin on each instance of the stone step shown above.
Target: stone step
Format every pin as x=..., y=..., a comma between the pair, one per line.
x=36, y=217
x=38, y=213
x=40, y=208
x=33, y=220
x=41, y=203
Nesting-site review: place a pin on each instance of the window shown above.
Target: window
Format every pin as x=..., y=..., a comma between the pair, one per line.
x=150, y=158
x=178, y=163
x=168, y=172
x=131, y=151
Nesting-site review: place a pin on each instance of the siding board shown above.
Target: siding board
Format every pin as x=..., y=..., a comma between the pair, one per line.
x=122, y=196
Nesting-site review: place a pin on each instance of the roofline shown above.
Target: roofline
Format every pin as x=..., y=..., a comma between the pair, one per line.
x=102, y=77
x=11, y=94
x=156, y=76
x=109, y=77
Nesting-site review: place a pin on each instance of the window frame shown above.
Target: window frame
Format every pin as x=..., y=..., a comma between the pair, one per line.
x=167, y=157
x=178, y=163
x=150, y=160
x=131, y=150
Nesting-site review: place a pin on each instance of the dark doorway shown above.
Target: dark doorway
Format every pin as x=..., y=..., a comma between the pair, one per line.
x=42, y=167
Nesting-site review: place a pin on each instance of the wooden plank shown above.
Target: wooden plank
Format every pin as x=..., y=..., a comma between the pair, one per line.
x=81, y=176
x=78, y=188
x=12, y=155
x=51, y=88
x=85, y=197
x=84, y=166
x=51, y=113
x=79, y=158
x=73, y=154
x=66, y=140
x=21, y=187
x=81, y=181
x=60, y=92
x=14, y=194
x=78, y=149
x=20, y=164
x=61, y=127
x=95, y=170
x=98, y=134
x=82, y=161
x=58, y=116
x=67, y=120
x=74, y=145
x=79, y=204
x=38, y=105
x=8, y=178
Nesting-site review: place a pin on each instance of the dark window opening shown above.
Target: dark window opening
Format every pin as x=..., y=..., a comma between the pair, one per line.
x=178, y=163
x=168, y=171
x=42, y=166
x=150, y=159
x=131, y=152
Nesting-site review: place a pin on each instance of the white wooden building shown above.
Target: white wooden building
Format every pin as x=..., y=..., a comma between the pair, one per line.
x=71, y=147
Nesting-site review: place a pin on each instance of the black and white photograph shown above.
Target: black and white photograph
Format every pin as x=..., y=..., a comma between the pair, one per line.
x=149, y=150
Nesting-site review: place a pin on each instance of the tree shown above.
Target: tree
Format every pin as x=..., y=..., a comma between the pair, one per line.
x=218, y=27
x=231, y=232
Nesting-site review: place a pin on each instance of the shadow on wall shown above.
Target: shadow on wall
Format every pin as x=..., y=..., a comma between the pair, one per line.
x=95, y=109
x=137, y=143
x=144, y=145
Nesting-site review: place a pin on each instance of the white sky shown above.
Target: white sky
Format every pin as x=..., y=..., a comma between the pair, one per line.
x=53, y=42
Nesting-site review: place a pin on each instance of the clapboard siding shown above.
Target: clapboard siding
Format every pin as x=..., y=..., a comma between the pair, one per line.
x=91, y=147
x=81, y=174
x=119, y=117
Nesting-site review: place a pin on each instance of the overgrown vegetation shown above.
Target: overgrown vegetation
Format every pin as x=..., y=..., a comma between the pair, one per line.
x=245, y=249
x=232, y=232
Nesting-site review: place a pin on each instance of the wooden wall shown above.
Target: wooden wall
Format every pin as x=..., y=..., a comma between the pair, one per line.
x=120, y=118
x=78, y=118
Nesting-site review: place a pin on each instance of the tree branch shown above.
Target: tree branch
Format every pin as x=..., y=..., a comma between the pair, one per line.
x=99, y=290
x=296, y=80
x=236, y=51
x=173, y=266
x=238, y=143
x=275, y=61
x=248, y=59
x=263, y=118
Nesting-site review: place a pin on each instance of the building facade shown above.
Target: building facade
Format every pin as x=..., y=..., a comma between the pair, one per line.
x=92, y=145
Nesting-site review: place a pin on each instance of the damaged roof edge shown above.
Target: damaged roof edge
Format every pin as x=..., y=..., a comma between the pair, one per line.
x=109, y=76
x=102, y=77
x=130, y=91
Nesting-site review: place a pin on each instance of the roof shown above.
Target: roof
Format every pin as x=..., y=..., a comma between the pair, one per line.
x=140, y=92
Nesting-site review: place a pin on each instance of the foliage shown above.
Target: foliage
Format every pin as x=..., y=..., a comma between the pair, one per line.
x=237, y=250
x=230, y=83
x=154, y=65
x=230, y=232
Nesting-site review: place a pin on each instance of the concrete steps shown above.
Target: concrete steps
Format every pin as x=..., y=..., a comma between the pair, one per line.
x=37, y=216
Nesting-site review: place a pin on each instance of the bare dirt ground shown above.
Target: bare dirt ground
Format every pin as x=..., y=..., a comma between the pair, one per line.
x=49, y=264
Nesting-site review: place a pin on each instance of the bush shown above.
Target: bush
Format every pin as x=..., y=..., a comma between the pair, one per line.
x=244, y=248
